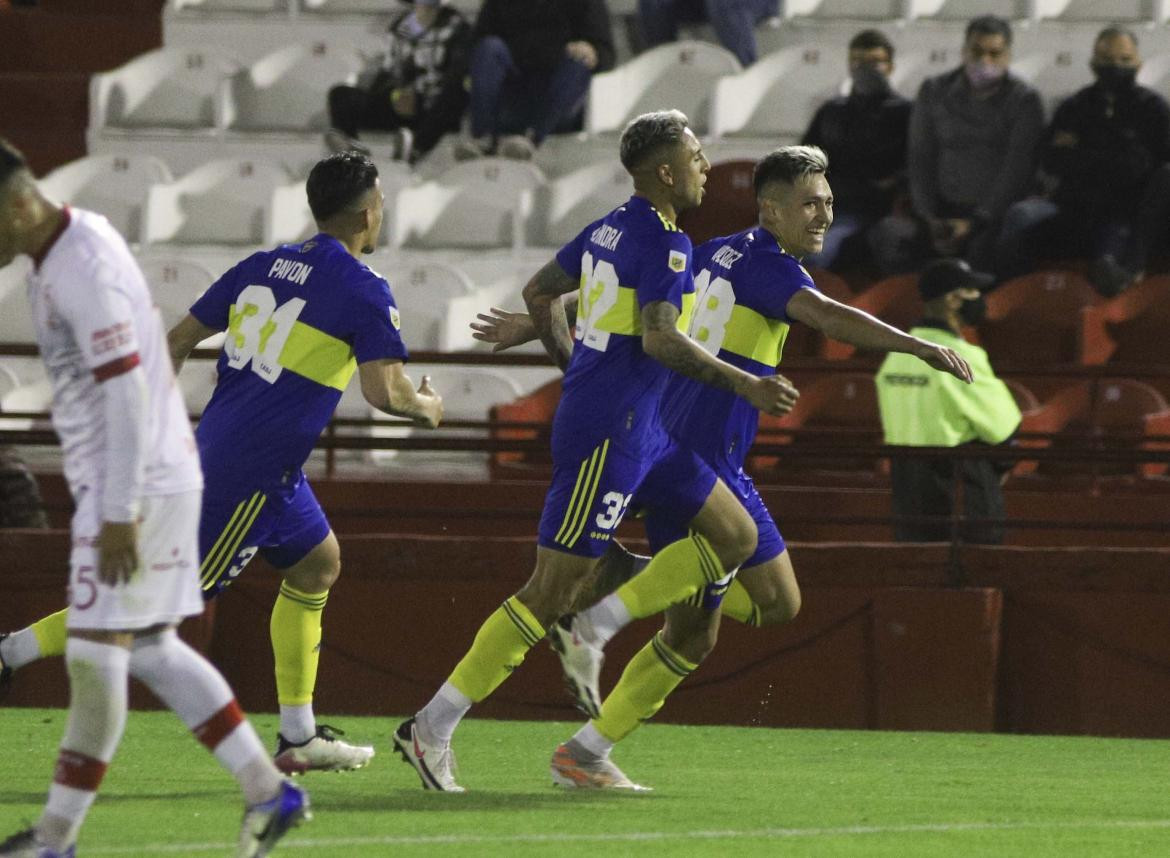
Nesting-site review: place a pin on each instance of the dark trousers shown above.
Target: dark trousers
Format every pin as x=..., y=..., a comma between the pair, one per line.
x=925, y=489
x=353, y=109
x=504, y=100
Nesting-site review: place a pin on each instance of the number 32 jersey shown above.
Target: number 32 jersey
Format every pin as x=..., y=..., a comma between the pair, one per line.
x=298, y=319
x=612, y=388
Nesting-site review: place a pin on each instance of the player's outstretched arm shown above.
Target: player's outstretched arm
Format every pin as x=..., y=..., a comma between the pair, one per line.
x=858, y=328
x=542, y=297
x=505, y=329
x=663, y=341
x=387, y=387
x=183, y=337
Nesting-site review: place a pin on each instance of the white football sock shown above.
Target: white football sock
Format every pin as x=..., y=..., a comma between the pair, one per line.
x=439, y=718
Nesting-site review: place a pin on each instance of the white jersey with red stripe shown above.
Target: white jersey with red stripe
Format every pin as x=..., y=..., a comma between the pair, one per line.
x=95, y=319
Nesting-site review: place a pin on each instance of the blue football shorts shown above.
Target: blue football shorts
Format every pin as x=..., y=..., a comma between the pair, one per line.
x=282, y=523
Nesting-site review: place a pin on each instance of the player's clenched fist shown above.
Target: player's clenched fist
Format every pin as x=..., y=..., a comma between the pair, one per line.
x=773, y=395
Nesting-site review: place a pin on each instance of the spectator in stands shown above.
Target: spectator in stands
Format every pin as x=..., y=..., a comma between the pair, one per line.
x=920, y=408
x=417, y=88
x=734, y=21
x=864, y=135
x=20, y=497
x=974, y=136
x=1106, y=154
x=530, y=72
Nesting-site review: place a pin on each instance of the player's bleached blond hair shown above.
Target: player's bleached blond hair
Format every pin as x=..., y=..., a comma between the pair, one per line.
x=788, y=164
x=647, y=134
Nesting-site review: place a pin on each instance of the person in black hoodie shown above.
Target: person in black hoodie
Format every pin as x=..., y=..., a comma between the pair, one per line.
x=1105, y=160
x=864, y=135
x=530, y=71
x=416, y=89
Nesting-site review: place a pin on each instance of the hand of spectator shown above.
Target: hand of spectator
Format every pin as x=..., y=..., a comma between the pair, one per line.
x=944, y=360
x=403, y=100
x=1065, y=138
x=117, y=552
x=503, y=329
x=582, y=52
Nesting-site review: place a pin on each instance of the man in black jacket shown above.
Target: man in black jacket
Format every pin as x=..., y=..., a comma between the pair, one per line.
x=1106, y=153
x=864, y=135
x=530, y=71
x=417, y=90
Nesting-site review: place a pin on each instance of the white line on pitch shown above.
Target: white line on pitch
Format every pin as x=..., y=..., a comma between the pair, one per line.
x=645, y=836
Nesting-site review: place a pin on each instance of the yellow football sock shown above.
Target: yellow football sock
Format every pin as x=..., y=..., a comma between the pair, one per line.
x=296, y=643
x=676, y=573
x=649, y=677
x=498, y=649
x=738, y=605
x=50, y=633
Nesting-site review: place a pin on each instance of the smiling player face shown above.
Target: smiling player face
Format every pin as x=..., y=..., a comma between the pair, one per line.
x=800, y=214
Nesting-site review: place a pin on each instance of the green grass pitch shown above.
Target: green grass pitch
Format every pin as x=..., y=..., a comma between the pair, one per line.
x=717, y=791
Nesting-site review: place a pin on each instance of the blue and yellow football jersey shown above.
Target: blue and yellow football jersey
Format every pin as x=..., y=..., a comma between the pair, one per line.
x=743, y=283
x=298, y=319
x=628, y=259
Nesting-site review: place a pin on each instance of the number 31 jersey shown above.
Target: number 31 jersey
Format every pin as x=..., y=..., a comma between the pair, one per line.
x=298, y=319
x=743, y=283
x=628, y=259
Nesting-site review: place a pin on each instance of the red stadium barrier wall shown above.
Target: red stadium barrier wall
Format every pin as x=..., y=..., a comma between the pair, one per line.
x=1035, y=640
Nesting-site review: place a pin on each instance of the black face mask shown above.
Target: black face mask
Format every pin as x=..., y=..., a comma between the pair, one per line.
x=868, y=82
x=973, y=311
x=1115, y=78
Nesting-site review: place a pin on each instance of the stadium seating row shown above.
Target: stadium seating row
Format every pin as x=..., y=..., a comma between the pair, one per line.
x=205, y=93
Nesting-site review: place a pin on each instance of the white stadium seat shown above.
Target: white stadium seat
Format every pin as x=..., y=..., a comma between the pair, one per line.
x=1057, y=74
x=482, y=203
x=215, y=6
x=228, y=201
x=965, y=10
x=1115, y=11
x=565, y=205
x=178, y=88
x=111, y=185
x=848, y=10
x=345, y=7
x=197, y=381
x=679, y=75
x=288, y=89
x=423, y=293
x=175, y=284
x=779, y=94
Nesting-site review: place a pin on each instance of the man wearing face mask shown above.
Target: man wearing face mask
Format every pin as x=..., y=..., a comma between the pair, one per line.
x=974, y=134
x=929, y=409
x=1106, y=151
x=864, y=135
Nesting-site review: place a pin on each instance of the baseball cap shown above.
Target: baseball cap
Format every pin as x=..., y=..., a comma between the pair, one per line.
x=946, y=275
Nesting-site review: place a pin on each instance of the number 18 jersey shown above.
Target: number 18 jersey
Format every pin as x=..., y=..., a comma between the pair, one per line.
x=628, y=259
x=298, y=319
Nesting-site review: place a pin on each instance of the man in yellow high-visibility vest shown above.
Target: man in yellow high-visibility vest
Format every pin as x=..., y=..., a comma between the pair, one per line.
x=920, y=408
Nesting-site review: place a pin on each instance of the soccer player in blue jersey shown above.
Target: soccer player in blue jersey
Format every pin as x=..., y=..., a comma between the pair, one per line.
x=750, y=287
x=633, y=270
x=299, y=319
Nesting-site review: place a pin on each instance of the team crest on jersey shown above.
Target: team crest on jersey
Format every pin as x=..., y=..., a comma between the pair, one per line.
x=395, y=318
x=676, y=261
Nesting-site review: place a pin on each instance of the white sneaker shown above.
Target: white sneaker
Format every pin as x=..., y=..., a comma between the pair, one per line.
x=322, y=753
x=435, y=764
x=569, y=769
x=518, y=147
x=581, y=662
x=265, y=823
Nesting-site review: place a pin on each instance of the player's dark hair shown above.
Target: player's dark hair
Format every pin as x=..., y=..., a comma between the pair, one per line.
x=11, y=161
x=337, y=182
x=989, y=25
x=1115, y=30
x=787, y=164
x=867, y=40
x=645, y=135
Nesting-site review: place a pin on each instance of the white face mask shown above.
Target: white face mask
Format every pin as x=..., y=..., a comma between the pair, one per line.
x=981, y=74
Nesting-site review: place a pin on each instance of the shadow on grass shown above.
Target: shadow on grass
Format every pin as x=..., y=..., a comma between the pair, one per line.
x=552, y=799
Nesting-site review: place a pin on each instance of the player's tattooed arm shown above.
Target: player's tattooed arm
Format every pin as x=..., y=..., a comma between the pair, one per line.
x=663, y=341
x=183, y=337
x=542, y=296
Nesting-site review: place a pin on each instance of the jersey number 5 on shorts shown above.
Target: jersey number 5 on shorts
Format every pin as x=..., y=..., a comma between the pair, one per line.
x=258, y=329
